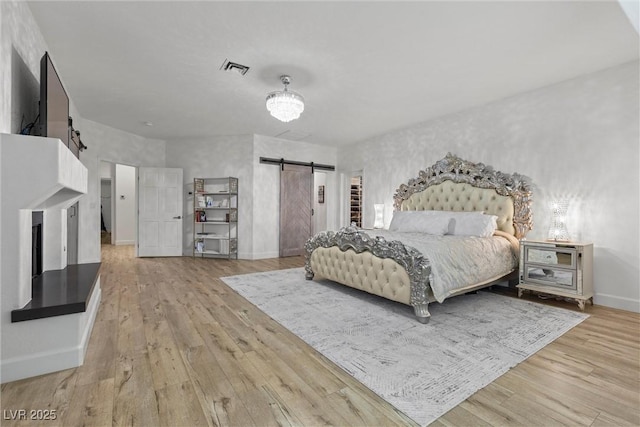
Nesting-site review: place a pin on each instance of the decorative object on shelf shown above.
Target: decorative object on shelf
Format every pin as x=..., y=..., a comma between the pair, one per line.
x=209, y=201
x=321, y=194
x=198, y=185
x=558, y=229
x=285, y=105
x=202, y=216
x=379, y=215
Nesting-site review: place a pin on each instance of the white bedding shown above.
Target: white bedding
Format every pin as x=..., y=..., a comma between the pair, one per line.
x=458, y=261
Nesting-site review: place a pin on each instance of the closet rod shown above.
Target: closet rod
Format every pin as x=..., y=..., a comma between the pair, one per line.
x=282, y=162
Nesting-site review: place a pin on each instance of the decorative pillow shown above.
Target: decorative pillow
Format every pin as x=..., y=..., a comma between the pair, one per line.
x=474, y=225
x=421, y=222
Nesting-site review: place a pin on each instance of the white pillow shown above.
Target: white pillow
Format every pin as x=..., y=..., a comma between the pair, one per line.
x=405, y=219
x=421, y=222
x=474, y=225
x=461, y=215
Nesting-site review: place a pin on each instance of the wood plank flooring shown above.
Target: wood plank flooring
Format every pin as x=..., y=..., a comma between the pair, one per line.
x=174, y=346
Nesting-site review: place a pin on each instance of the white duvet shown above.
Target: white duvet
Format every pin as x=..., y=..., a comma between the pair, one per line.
x=458, y=261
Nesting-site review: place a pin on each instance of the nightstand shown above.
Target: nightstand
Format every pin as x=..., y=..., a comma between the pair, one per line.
x=564, y=269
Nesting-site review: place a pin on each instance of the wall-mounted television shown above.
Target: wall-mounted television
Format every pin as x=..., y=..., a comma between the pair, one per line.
x=54, y=104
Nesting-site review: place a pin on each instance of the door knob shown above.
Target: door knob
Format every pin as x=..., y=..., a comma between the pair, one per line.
x=177, y=217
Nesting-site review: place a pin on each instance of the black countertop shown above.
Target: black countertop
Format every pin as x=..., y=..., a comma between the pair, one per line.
x=59, y=292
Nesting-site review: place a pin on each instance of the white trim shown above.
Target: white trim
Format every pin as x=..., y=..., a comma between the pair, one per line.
x=54, y=360
x=92, y=313
x=259, y=255
x=621, y=303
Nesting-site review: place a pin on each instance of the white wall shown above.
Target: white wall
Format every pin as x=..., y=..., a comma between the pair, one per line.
x=110, y=145
x=266, y=188
x=259, y=191
x=217, y=157
x=21, y=47
x=125, y=200
x=632, y=10
x=320, y=209
x=56, y=179
x=105, y=170
x=577, y=139
x=56, y=343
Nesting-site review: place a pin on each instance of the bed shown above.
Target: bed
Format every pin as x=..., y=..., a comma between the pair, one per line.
x=427, y=254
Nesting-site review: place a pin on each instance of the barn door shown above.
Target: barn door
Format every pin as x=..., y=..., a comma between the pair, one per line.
x=296, y=213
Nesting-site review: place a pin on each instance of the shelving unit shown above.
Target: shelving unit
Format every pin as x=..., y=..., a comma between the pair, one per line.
x=355, y=201
x=215, y=217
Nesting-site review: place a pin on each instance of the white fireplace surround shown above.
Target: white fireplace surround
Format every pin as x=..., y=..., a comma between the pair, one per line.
x=38, y=174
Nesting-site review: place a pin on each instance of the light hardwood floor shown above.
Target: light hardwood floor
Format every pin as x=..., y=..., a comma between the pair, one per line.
x=174, y=346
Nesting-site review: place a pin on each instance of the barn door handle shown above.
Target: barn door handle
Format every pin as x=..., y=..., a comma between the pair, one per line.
x=177, y=217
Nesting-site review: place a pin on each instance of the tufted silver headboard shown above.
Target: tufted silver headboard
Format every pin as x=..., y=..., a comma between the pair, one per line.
x=454, y=184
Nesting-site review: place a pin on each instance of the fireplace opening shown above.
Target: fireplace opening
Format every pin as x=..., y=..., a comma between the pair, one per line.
x=36, y=244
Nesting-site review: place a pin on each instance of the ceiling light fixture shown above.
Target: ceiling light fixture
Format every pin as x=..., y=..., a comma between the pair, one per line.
x=285, y=105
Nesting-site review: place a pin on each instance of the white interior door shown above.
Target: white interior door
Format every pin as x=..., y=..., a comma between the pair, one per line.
x=160, y=212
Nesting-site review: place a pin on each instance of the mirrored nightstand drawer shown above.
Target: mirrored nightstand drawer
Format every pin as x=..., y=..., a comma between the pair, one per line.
x=556, y=277
x=562, y=257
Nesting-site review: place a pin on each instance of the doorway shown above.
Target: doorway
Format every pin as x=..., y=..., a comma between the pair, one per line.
x=105, y=211
x=118, y=201
x=72, y=234
x=355, y=199
x=124, y=229
x=107, y=208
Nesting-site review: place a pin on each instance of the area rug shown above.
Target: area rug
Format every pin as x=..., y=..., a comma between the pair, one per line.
x=422, y=370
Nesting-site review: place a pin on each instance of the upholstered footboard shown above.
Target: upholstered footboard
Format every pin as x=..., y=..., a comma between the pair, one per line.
x=387, y=269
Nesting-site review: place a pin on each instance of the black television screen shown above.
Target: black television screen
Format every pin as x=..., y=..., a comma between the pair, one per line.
x=54, y=103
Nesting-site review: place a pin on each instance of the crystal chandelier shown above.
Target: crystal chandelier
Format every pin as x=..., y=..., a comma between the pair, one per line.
x=285, y=105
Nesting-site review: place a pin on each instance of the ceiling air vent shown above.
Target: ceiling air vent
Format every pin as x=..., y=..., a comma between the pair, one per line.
x=233, y=67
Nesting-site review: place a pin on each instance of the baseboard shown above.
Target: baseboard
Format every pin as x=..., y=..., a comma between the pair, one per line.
x=621, y=303
x=125, y=242
x=260, y=255
x=246, y=255
x=46, y=362
x=92, y=313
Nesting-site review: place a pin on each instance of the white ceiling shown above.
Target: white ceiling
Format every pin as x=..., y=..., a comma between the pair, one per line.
x=364, y=68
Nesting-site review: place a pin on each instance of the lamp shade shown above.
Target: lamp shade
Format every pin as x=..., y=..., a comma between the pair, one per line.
x=379, y=218
x=558, y=227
